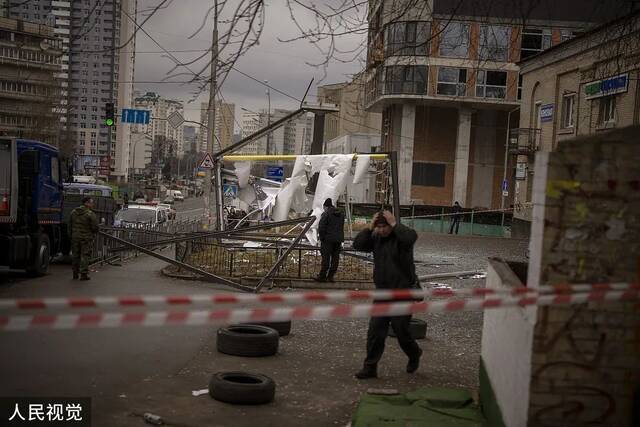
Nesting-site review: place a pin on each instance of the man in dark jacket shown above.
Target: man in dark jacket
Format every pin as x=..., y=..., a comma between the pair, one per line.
x=83, y=227
x=456, y=217
x=331, y=236
x=393, y=268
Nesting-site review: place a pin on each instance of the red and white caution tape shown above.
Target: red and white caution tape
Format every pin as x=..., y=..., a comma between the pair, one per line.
x=293, y=297
x=244, y=315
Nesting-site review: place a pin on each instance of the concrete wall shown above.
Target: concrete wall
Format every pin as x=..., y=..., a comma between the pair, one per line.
x=507, y=337
x=586, y=358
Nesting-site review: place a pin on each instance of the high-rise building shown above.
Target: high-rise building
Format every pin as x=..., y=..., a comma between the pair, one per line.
x=251, y=123
x=161, y=109
x=293, y=137
x=190, y=139
x=98, y=41
x=445, y=77
x=224, y=125
x=29, y=93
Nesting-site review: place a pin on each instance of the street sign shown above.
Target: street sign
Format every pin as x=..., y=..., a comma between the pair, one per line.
x=230, y=190
x=546, y=113
x=275, y=173
x=505, y=185
x=140, y=117
x=207, y=162
x=505, y=193
x=175, y=120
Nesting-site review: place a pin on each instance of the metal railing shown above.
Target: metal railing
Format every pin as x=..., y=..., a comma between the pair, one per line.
x=524, y=141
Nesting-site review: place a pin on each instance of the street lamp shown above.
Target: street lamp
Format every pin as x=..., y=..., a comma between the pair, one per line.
x=266, y=82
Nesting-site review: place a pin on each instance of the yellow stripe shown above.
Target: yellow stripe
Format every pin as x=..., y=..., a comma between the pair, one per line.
x=272, y=157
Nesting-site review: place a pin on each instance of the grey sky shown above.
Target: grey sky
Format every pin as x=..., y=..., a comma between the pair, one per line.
x=282, y=64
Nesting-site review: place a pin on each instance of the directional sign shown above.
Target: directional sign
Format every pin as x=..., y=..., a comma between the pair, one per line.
x=207, y=162
x=275, y=173
x=141, y=117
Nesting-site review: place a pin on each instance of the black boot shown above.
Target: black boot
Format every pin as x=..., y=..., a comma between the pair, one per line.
x=85, y=276
x=319, y=279
x=414, y=363
x=330, y=279
x=367, y=372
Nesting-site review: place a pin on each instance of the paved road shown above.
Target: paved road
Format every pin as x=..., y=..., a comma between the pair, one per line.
x=191, y=208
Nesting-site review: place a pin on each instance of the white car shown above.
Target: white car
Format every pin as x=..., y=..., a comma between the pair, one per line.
x=136, y=216
x=171, y=213
x=176, y=194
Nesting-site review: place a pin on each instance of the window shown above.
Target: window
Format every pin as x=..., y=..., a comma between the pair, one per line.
x=408, y=38
x=519, y=87
x=491, y=84
x=406, y=79
x=534, y=41
x=567, y=110
x=454, y=40
x=494, y=42
x=428, y=174
x=452, y=81
x=607, y=112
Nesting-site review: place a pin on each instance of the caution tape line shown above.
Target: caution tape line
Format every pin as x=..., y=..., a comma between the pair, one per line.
x=293, y=297
x=248, y=315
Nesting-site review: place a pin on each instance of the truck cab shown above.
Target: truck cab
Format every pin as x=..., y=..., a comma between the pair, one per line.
x=31, y=200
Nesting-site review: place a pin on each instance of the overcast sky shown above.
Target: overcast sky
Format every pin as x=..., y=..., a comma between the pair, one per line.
x=282, y=64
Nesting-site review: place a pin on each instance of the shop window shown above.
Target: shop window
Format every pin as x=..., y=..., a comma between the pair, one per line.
x=406, y=79
x=428, y=174
x=494, y=42
x=607, y=110
x=568, y=102
x=491, y=84
x=452, y=81
x=454, y=40
x=408, y=38
x=534, y=41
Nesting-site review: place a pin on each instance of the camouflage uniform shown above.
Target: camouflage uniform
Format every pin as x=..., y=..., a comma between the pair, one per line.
x=82, y=228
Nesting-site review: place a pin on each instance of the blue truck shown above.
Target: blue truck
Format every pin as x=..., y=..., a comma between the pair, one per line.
x=31, y=204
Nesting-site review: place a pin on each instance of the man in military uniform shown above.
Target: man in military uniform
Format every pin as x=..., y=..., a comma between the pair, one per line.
x=83, y=227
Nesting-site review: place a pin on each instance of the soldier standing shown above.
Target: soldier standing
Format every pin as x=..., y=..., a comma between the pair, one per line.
x=83, y=227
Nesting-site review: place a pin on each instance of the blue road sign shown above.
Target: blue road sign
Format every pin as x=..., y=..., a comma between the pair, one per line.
x=230, y=190
x=505, y=185
x=141, y=117
x=275, y=173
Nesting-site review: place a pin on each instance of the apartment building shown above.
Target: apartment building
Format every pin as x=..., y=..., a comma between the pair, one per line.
x=161, y=109
x=445, y=77
x=224, y=125
x=585, y=86
x=30, y=95
x=293, y=137
x=94, y=70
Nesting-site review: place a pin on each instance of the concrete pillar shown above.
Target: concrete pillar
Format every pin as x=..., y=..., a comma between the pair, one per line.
x=405, y=152
x=461, y=168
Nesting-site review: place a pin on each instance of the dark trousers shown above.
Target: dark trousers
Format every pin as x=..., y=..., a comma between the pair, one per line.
x=330, y=252
x=455, y=221
x=377, y=334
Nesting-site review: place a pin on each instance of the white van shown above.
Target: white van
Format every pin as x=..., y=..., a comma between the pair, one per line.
x=176, y=194
x=141, y=215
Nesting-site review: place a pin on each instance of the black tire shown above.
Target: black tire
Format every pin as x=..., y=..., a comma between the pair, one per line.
x=283, y=328
x=248, y=340
x=242, y=388
x=417, y=327
x=41, y=256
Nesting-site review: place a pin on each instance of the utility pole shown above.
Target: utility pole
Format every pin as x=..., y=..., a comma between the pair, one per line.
x=210, y=204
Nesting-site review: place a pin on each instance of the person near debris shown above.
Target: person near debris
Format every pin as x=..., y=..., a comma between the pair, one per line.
x=331, y=236
x=125, y=200
x=457, y=216
x=83, y=227
x=393, y=268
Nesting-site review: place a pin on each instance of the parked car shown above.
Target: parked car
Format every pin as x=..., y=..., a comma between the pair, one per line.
x=141, y=215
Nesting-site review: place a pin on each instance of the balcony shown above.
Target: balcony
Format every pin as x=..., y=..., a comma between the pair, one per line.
x=524, y=141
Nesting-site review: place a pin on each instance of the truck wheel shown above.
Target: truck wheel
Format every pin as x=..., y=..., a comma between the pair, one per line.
x=248, y=340
x=242, y=388
x=41, y=256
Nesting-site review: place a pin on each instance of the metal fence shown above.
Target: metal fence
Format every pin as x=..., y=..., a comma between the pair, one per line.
x=233, y=260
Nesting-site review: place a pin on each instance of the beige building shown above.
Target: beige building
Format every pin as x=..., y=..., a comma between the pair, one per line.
x=30, y=95
x=353, y=117
x=161, y=109
x=581, y=87
x=444, y=75
x=224, y=125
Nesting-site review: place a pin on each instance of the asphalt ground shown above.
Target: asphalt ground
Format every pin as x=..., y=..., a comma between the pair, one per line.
x=130, y=371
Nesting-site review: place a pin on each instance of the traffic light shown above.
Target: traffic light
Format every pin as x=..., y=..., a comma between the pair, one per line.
x=109, y=118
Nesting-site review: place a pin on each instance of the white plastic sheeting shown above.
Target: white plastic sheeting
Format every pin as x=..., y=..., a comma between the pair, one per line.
x=362, y=167
x=243, y=170
x=291, y=190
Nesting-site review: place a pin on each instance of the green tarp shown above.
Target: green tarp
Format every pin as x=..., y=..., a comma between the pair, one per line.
x=422, y=407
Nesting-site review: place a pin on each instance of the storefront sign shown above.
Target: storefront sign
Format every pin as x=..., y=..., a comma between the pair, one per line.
x=546, y=113
x=608, y=86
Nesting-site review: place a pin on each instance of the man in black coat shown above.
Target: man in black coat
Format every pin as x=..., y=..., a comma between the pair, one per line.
x=393, y=268
x=331, y=236
x=456, y=217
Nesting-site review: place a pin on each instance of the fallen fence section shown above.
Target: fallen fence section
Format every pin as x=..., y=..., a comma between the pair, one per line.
x=226, y=316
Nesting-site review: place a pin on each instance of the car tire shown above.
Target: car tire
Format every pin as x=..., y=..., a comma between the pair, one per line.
x=248, y=340
x=41, y=256
x=417, y=327
x=242, y=388
x=283, y=328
